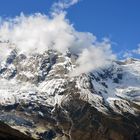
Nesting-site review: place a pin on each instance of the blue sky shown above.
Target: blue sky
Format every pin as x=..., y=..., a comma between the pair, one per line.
x=117, y=19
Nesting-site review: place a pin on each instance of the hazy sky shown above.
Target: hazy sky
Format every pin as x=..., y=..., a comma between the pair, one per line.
x=118, y=20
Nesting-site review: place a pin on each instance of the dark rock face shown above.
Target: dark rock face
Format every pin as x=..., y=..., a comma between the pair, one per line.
x=7, y=133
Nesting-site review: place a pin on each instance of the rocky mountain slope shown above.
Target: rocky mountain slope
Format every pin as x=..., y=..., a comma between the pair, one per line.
x=39, y=98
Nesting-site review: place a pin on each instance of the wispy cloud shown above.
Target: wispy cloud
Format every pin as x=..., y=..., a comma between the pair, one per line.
x=136, y=51
x=127, y=54
x=132, y=53
x=61, y=5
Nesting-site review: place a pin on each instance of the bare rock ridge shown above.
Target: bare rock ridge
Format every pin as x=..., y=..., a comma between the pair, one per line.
x=39, y=98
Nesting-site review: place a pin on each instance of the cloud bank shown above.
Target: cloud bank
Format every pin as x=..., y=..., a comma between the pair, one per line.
x=38, y=33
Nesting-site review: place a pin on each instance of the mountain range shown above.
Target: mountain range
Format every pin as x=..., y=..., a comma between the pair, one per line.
x=40, y=99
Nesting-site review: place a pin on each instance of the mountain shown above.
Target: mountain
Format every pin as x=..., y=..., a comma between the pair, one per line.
x=40, y=98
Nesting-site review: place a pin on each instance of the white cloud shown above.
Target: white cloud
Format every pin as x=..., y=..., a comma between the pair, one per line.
x=38, y=33
x=96, y=56
x=4, y=51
